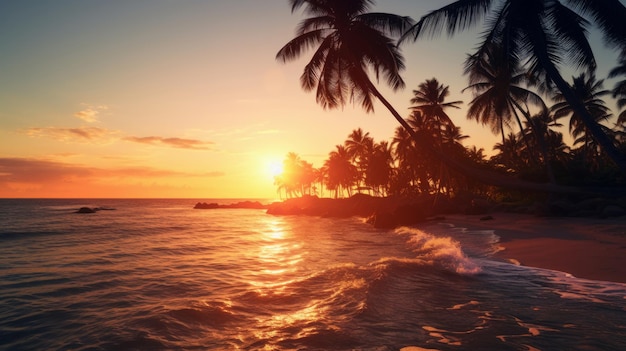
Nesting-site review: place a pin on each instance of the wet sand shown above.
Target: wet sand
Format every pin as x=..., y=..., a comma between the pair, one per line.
x=590, y=248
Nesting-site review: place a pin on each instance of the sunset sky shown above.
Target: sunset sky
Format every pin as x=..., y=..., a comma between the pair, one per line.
x=164, y=98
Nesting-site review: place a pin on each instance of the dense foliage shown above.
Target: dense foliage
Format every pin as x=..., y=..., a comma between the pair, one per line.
x=514, y=76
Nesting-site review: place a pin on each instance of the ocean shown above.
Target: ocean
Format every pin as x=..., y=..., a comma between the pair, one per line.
x=159, y=275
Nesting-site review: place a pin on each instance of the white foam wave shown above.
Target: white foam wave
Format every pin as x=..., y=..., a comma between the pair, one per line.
x=439, y=251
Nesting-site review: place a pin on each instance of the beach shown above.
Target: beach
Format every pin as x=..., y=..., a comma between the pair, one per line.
x=590, y=248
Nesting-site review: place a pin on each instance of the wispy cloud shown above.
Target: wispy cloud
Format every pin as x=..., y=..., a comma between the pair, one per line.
x=32, y=170
x=30, y=177
x=90, y=113
x=97, y=134
x=180, y=143
x=80, y=134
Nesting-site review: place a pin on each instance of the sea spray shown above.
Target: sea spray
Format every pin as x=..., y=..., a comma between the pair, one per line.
x=442, y=252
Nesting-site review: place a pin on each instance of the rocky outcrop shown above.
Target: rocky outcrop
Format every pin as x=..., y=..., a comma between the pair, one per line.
x=381, y=212
x=241, y=204
x=357, y=205
x=93, y=209
x=86, y=210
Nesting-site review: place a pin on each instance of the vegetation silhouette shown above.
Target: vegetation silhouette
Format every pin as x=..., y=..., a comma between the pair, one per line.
x=619, y=91
x=537, y=34
x=349, y=42
x=501, y=95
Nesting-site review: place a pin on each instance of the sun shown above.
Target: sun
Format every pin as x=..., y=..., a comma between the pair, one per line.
x=274, y=168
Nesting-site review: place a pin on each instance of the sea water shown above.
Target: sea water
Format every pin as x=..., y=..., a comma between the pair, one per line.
x=160, y=275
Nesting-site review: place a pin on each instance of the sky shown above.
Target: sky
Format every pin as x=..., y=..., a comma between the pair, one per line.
x=184, y=98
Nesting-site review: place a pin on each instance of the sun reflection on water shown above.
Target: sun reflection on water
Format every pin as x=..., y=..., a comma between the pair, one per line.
x=279, y=255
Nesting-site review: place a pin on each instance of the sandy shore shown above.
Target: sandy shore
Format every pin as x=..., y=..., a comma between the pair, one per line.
x=588, y=248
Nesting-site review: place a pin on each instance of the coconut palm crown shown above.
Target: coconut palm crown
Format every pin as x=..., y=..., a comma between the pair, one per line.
x=349, y=42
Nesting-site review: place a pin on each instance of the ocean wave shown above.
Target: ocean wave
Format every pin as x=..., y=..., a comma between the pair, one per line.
x=443, y=252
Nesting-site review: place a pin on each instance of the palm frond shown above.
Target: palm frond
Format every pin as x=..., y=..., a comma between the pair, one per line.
x=609, y=15
x=386, y=23
x=295, y=47
x=457, y=16
x=311, y=74
x=314, y=23
x=571, y=33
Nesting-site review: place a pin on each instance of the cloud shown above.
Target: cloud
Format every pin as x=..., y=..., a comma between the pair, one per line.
x=30, y=177
x=90, y=114
x=180, y=143
x=96, y=134
x=28, y=170
x=32, y=170
x=80, y=134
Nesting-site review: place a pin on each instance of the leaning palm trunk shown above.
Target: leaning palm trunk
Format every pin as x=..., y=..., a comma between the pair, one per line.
x=592, y=126
x=577, y=105
x=471, y=170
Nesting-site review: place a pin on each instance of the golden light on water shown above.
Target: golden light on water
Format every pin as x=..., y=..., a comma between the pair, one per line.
x=278, y=255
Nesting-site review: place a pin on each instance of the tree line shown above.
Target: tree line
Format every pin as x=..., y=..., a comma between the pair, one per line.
x=530, y=148
x=514, y=70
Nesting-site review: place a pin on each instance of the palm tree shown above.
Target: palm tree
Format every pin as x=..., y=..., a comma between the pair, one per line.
x=590, y=92
x=538, y=33
x=408, y=161
x=379, y=168
x=289, y=180
x=500, y=96
x=350, y=42
x=498, y=89
x=429, y=99
x=307, y=176
x=509, y=154
x=340, y=172
x=476, y=154
x=359, y=145
x=619, y=91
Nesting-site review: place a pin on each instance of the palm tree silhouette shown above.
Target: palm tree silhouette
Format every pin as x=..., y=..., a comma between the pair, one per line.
x=509, y=154
x=430, y=98
x=500, y=96
x=539, y=33
x=619, y=91
x=340, y=172
x=498, y=90
x=350, y=43
x=359, y=146
x=289, y=180
x=540, y=123
x=379, y=168
x=408, y=160
x=590, y=92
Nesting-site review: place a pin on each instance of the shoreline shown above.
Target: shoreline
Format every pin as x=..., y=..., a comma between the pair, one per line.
x=588, y=248
x=585, y=247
